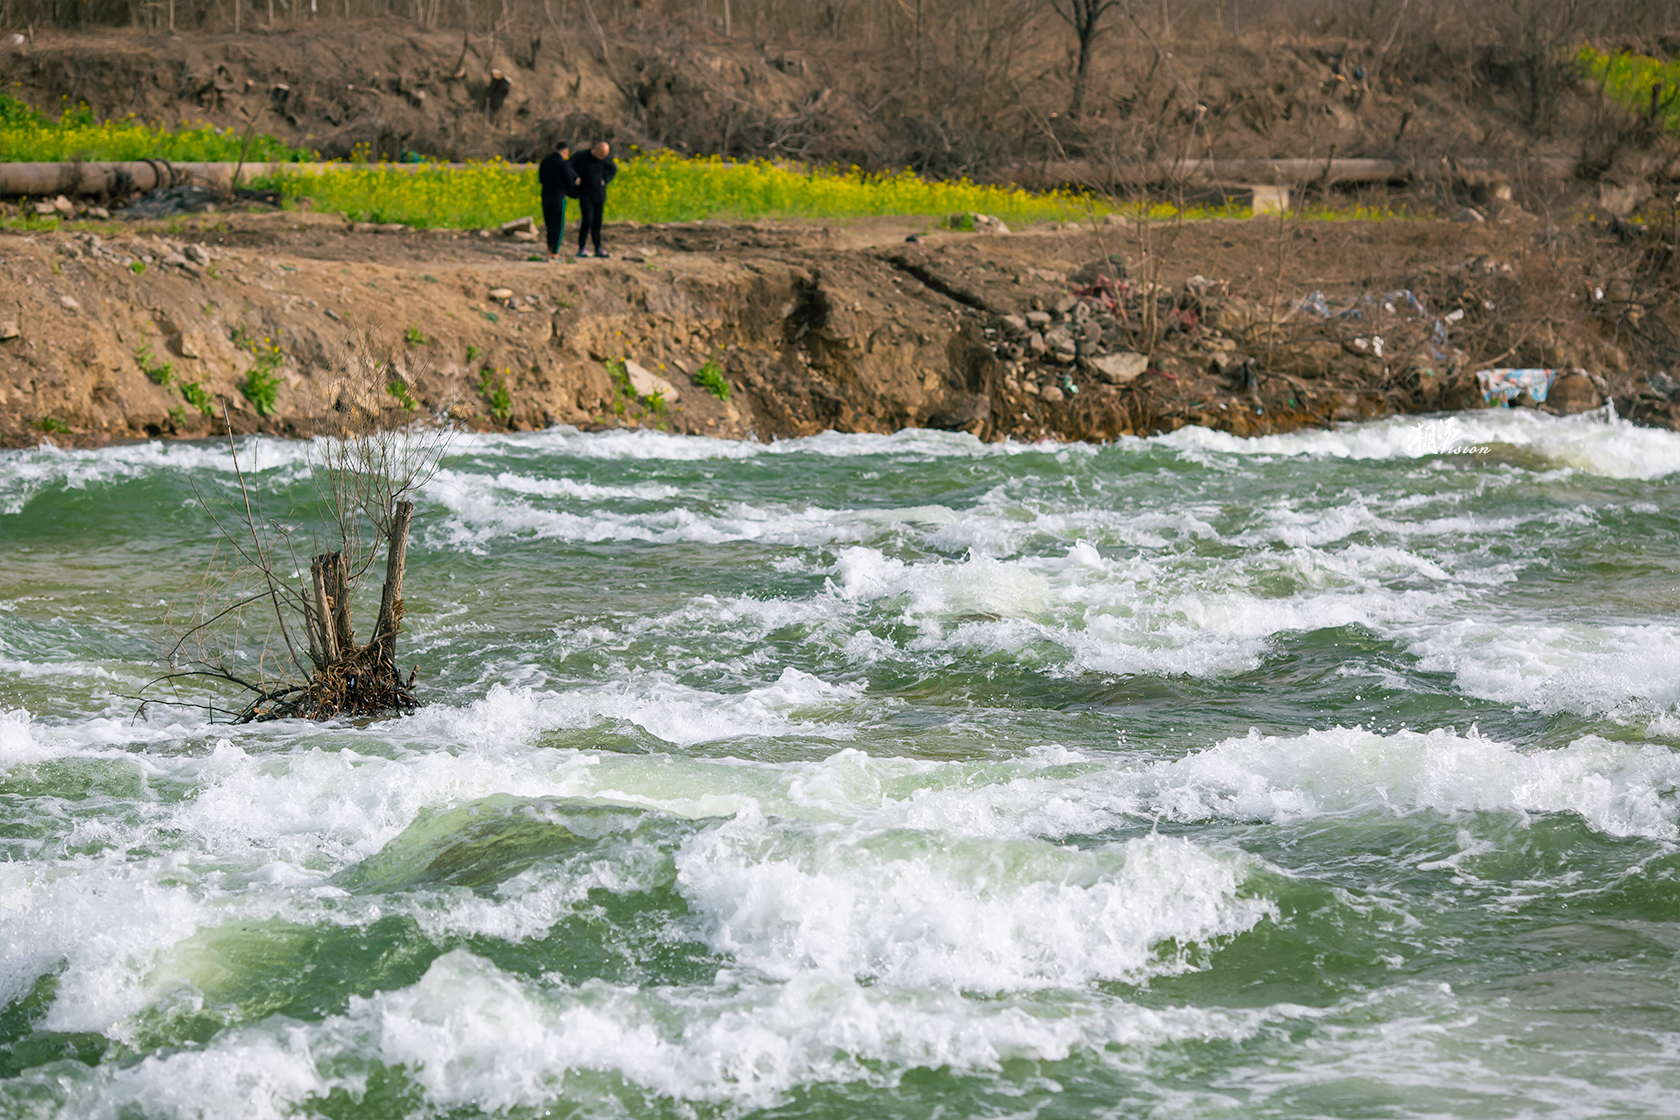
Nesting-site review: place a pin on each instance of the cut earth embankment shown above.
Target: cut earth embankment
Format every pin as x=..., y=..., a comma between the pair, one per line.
x=144, y=330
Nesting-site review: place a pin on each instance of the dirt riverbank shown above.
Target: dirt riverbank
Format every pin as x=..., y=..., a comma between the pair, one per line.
x=817, y=327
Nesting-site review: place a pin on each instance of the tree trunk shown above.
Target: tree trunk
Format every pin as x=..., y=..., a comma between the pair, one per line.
x=390, y=601
x=338, y=594
x=323, y=634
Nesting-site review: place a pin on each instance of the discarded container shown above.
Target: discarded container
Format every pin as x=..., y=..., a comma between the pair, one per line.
x=1506, y=385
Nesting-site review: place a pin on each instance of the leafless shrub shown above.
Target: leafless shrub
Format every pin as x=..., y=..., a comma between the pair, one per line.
x=271, y=615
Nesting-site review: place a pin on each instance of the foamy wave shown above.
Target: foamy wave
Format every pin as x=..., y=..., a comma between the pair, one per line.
x=1617, y=788
x=1596, y=443
x=918, y=910
x=474, y=1038
x=25, y=473
x=654, y=702
x=17, y=743
x=478, y=1037
x=1134, y=614
x=1628, y=670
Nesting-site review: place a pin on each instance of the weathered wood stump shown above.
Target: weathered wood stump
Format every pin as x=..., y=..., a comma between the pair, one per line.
x=349, y=680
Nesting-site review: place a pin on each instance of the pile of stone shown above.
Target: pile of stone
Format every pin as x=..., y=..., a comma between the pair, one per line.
x=1090, y=333
x=62, y=207
x=188, y=257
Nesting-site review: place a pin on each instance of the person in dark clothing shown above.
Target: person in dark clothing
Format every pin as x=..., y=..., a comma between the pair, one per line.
x=496, y=94
x=595, y=169
x=559, y=182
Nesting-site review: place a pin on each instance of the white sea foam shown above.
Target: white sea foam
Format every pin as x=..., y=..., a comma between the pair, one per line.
x=674, y=712
x=916, y=910
x=646, y=444
x=1595, y=443
x=1555, y=666
x=25, y=473
x=1135, y=614
x=1617, y=788
x=474, y=1037
x=17, y=742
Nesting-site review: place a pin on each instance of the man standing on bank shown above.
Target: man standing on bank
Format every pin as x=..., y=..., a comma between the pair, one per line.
x=595, y=169
x=559, y=182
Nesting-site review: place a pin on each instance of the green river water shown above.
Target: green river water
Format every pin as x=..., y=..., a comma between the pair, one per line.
x=1331, y=774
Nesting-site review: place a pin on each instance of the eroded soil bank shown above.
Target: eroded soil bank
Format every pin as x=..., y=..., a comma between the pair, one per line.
x=1246, y=326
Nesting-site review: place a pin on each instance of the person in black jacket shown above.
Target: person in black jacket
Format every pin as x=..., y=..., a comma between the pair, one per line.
x=559, y=182
x=595, y=169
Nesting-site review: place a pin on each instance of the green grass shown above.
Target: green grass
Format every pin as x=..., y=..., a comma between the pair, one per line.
x=28, y=135
x=198, y=396
x=1629, y=79
x=493, y=388
x=262, y=380
x=158, y=372
x=710, y=378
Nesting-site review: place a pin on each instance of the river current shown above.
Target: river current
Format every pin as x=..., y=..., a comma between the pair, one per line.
x=1329, y=774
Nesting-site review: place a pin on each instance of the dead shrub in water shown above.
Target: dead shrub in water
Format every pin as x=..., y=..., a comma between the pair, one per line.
x=279, y=627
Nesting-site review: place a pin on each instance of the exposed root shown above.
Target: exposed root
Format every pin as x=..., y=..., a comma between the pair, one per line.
x=363, y=685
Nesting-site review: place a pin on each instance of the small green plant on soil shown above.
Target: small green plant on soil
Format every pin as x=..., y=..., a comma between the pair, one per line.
x=32, y=223
x=620, y=377
x=414, y=337
x=474, y=353
x=137, y=267
x=178, y=415
x=710, y=378
x=399, y=389
x=158, y=372
x=492, y=386
x=262, y=380
x=198, y=396
x=52, y=426
x=656, y=402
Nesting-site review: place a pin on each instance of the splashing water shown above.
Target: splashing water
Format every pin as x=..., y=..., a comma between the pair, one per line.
x=1330, y=774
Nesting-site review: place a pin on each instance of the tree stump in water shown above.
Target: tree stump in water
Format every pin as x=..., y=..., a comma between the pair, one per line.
x=349, y=680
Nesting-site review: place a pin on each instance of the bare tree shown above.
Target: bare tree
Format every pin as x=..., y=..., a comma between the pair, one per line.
x=1085, y=17
x=279, y=628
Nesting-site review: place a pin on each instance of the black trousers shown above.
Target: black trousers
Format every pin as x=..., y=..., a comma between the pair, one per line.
x=554, y=222
x=589, y=220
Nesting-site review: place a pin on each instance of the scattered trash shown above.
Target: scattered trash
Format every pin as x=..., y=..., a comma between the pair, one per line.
x=1317, y=304
x=1506, y=385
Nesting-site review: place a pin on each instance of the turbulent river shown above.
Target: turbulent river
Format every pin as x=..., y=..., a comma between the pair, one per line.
x=1331, y=774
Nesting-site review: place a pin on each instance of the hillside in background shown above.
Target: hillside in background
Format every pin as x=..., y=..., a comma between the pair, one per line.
x=979, y=89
